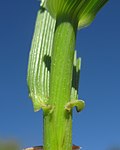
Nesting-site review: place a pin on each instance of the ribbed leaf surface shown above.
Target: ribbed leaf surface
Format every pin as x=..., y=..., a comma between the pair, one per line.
x=39, y=59
x=83, y=11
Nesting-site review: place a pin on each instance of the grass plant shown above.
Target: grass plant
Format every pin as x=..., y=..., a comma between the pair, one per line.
x=53, y=69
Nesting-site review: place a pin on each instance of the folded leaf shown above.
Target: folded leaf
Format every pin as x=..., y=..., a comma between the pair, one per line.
x=81, y=11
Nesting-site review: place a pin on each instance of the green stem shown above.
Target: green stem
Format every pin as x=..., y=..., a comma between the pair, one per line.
x=58, y=124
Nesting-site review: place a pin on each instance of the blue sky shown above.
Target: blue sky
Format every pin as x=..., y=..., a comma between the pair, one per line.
x=98, y=126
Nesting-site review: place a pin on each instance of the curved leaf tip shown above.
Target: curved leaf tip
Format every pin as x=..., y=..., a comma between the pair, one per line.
x=88, y=12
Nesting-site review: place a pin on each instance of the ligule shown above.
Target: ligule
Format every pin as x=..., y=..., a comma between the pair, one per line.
x=79, y=104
